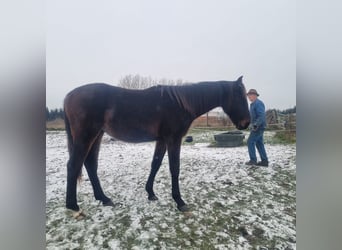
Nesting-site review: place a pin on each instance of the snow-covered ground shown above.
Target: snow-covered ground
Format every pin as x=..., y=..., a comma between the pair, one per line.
x=233, y=206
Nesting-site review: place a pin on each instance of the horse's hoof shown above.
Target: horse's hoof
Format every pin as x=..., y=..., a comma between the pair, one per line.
x=108, y=204
x=184, y=208
x=153, y=198
x=78, y=215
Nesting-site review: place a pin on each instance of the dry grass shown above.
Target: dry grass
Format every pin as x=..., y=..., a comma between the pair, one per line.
x=57, y=124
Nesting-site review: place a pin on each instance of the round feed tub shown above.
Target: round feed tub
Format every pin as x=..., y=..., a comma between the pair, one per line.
x=229, y=139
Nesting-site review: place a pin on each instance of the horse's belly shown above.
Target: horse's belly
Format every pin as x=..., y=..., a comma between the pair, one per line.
x=131, y=134
x=134, y=137
x=131, y=128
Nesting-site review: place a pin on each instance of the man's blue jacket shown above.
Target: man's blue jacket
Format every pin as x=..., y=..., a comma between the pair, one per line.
x=258, y=115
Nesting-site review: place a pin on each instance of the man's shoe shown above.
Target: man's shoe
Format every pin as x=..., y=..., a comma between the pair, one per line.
x=251, y=163
x=262, y=163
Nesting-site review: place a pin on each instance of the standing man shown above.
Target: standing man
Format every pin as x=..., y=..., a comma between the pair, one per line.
x=258, y=125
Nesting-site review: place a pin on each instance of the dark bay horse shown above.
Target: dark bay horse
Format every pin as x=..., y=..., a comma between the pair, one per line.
x=161, y=113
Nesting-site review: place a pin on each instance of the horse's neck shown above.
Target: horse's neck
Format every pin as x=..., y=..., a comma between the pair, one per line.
x=204, y=98
x=207, y=105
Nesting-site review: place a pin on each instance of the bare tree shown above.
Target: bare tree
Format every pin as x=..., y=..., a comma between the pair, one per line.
x=140, y=82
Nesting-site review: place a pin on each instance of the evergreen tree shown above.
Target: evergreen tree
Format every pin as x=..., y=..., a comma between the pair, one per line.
x=54, y=114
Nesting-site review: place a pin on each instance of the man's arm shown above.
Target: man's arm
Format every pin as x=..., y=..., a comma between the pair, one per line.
x=260, y=113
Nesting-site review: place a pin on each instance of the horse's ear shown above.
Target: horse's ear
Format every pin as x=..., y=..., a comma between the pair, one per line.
x=239, y=80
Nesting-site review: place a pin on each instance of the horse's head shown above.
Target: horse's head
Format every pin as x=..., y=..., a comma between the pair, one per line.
x=236, y=106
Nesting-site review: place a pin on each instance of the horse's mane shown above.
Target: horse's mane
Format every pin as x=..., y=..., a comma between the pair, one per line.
x=195, y=97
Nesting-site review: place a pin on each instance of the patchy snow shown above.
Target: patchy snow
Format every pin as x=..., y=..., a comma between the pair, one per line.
x=233, y=206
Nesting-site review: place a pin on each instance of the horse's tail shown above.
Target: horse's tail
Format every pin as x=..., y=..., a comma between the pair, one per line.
x=70, y=140
x=68, y=132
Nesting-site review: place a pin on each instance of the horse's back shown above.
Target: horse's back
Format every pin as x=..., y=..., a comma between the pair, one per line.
x=128, y=115
x=95, y=91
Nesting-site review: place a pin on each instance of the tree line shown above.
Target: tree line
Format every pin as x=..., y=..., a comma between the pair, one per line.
x=287, y=111
x=54, y=114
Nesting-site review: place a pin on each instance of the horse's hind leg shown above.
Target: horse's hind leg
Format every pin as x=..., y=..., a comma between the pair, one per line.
x=158, y=156
x=74, y=166
x=91, y=164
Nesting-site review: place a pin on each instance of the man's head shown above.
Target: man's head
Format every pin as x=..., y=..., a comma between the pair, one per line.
x=252, y=95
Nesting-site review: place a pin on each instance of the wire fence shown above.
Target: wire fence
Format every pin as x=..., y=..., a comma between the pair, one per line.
x=279, y=122
x=276, y=121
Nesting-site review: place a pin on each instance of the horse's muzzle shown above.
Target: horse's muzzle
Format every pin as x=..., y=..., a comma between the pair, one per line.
x=243, y=124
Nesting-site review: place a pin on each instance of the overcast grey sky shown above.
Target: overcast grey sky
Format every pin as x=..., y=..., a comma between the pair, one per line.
x=102, y=41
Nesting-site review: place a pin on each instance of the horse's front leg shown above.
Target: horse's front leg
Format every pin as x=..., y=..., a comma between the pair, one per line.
x=158, y=156
x=174, y=161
